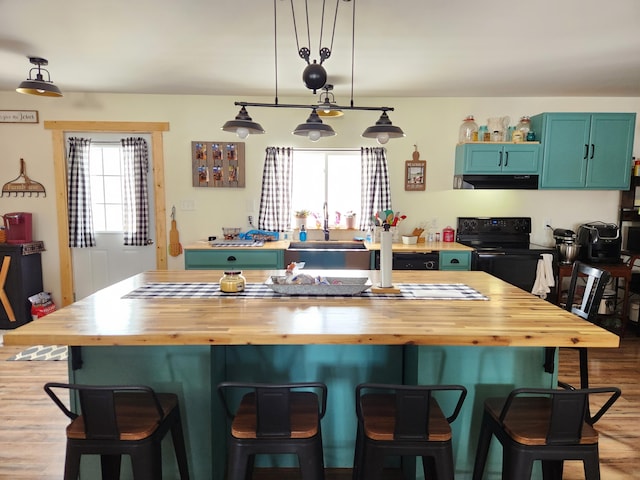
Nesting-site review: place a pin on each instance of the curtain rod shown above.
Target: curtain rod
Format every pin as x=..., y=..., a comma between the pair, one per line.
x=325, y=149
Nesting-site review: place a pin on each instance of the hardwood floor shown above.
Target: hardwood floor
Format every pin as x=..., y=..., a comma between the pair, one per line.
x=32, y=428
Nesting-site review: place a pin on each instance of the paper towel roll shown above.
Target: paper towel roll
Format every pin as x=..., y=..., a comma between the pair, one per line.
x=386, y=259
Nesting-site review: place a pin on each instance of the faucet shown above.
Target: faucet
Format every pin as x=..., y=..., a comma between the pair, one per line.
x=325, y=211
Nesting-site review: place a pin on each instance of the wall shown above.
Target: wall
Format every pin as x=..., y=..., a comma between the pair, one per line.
x=430, y=123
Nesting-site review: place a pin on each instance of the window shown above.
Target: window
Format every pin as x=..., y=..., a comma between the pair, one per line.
x=105, y=170
x=325, y=176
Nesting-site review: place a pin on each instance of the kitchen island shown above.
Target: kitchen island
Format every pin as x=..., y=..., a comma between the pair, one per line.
x=188, y=345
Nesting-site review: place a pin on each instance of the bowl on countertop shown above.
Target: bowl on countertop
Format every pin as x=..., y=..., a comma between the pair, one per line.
x=409, y=239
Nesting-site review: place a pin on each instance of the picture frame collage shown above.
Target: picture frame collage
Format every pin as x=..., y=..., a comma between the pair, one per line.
x=218, y=164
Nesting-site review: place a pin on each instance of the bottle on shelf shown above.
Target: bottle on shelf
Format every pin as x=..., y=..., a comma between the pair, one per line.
x=524, y=126
x=483, y=134
x=303, y=233
x=468, y=130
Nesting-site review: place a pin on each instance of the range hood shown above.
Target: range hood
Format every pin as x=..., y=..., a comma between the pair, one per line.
x=495, y=182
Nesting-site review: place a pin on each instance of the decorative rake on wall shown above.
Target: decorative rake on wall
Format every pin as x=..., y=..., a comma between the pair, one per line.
x=23, y=184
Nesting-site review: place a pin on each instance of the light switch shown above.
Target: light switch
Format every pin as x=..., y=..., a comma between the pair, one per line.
x=187, y=205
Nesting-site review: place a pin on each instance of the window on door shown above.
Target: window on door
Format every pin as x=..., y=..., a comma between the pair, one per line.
x=324, y=176
x=105, y=170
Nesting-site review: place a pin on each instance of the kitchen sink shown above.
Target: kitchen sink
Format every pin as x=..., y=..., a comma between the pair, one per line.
x=327, y=245
x=329, y=255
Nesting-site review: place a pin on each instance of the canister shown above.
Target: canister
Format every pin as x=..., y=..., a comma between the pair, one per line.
x=232, y=282
x=448, y=234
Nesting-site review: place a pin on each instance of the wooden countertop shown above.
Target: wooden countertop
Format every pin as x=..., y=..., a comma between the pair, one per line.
x=511, y=317
x=396, y=247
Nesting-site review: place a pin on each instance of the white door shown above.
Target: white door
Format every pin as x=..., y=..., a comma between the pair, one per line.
x=110, y=261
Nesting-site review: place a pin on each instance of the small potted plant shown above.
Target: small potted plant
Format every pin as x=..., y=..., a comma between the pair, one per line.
x=350, y=219
x=301, y=217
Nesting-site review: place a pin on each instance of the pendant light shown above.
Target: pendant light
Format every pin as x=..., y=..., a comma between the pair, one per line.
x=314, y=78
x=38, y=85
x=383, y=130
x=327, y=104
x=313, y=128
x=243, y=125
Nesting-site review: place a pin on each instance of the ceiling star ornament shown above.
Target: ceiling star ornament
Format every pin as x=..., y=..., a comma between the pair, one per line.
x=38, y=85
x=315, y=78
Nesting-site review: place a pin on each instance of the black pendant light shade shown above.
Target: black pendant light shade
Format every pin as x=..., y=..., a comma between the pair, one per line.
x=38, y=85
x=313, y=128
x=243, y=125
x=383, y=130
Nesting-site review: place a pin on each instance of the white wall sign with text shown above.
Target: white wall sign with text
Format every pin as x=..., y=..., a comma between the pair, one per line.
x=18, y=116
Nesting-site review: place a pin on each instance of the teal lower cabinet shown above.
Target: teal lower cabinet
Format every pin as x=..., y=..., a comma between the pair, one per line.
x=224, y=259
x=455, y=260
x=194, y=371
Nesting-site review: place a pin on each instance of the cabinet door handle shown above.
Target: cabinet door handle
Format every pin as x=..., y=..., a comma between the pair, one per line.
x=231, y=258
x=506, y=159
x=586, y=151
x=500, y=161
x=593, y=151
x=455, y=261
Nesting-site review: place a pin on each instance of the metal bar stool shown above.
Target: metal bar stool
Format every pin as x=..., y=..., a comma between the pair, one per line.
x=404, y=420
x=542, y=424
x=118, y=420
x=275, y=419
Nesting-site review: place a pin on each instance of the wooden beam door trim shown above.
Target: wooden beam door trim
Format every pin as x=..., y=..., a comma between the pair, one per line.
x=58, y=130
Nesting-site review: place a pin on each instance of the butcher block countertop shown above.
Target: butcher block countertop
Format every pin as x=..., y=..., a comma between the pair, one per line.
x=510, y=317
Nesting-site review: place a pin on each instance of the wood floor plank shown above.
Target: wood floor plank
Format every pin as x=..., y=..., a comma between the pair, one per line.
x=32, y=428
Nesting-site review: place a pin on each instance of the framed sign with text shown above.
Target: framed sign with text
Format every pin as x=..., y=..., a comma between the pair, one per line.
x=18, y=116
x=415, y=172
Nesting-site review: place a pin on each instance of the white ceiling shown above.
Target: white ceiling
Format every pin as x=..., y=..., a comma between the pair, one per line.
x=410, y=48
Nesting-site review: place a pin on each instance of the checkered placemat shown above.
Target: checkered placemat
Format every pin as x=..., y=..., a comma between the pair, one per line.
x=431, y=291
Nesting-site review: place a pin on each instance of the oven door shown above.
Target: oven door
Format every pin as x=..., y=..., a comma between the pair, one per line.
x=518, y=269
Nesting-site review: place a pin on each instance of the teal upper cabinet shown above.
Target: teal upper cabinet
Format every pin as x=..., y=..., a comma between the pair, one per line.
x=585, y=150
x=497, y=158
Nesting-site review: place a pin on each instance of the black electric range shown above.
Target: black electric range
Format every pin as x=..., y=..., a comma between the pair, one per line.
x=503, y=248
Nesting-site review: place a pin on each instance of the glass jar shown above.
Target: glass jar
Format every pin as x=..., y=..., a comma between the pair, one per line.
x=524, y=125
x=232, y=282
x=468, y=130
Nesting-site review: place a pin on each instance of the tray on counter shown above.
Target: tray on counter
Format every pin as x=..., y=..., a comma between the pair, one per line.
x=337, y=286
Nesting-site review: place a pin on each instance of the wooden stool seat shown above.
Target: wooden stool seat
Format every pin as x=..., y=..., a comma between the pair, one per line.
x=379, y=412
x=529, y=418
x=136, y=413
x=304, y=416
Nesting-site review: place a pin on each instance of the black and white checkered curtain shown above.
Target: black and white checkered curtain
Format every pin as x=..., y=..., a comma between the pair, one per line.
x=135, y=157
x=275, y=201
x=79, y=194
x=376, y=192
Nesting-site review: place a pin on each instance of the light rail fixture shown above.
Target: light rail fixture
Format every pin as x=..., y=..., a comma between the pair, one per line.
x=38, y=85
x=315, y=78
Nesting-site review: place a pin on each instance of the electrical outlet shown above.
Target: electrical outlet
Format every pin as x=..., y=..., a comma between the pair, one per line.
x=250, y=219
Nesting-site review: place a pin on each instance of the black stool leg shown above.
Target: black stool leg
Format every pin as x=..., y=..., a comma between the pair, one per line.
x=110, y=466
x=146, y=463
x=177, y=436
x=71, y=464
x=237, y=463
x=483, y=447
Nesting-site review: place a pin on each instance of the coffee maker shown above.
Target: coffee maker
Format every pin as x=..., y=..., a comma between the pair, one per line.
x=600, y=242
x=17, y=227
x=566, y=245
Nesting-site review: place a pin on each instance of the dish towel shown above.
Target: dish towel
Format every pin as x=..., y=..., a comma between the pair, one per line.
x=544, y=276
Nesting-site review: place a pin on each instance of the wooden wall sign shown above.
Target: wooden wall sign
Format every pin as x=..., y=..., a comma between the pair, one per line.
x=218, y=164
x=415, y=172
x=18, y=116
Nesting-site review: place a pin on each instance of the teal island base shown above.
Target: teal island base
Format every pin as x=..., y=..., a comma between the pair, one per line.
x=194, y=371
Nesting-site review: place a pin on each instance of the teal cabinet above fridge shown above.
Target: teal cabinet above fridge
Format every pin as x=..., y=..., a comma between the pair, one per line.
x=585, y=150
